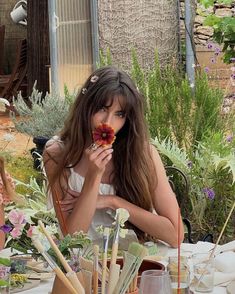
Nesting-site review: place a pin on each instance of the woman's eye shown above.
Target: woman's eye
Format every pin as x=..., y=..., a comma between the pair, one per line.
x=121, y=114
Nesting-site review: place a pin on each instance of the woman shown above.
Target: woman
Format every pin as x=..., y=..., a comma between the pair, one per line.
x=88, y=184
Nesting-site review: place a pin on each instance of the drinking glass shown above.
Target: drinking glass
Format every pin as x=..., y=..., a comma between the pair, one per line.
x=4, y=279
x=203, y=270
x=180, y=284
x=155, y=281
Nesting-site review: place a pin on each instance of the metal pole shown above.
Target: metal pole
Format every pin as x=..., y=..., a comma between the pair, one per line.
x=53, y=46
x=94, y=33
x=189, y=39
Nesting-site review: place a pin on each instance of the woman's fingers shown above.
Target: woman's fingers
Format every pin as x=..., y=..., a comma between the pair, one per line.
x=101, y=156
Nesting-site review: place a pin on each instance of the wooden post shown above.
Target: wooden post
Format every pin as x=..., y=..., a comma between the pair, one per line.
x=38, y=45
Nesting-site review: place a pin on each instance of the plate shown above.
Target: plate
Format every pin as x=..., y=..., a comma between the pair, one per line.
x=29, y=285
x=40, y=276
x=231, y=288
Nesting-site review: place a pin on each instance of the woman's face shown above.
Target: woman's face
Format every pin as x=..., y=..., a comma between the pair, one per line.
x=111, y=114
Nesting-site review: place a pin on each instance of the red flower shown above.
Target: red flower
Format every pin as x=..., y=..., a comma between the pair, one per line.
x=104, y=135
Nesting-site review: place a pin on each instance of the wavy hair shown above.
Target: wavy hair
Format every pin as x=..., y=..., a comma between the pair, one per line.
x=133, y=175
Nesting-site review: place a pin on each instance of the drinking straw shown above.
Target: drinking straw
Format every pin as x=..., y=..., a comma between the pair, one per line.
x=57, y=202
x=178, y=288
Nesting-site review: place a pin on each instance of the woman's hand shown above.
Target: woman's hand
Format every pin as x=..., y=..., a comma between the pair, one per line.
x=98, y=159
x=68, y=203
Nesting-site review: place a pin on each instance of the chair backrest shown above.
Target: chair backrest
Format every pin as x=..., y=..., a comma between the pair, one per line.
x=180, y=185
x=2, y=36
x=18, y=75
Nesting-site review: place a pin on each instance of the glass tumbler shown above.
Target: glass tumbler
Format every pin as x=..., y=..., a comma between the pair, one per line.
x=155, y=281
x=203, y=270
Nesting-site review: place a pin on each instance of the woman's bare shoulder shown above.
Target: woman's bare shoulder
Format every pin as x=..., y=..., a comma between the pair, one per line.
x=53, y=150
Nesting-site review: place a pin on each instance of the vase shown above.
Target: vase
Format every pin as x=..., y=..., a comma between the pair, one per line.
x=37, y=152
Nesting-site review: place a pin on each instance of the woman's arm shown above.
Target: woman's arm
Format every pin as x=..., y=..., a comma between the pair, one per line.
x=84, y=208
x=164, y=224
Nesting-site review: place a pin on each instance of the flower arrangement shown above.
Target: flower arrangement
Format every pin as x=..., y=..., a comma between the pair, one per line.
x=19, y=227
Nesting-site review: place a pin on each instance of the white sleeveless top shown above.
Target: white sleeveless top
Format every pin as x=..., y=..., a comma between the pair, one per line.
x=103, y=217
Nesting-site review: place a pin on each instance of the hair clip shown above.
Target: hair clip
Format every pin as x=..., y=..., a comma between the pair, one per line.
x=94, y=79
x=84, y=90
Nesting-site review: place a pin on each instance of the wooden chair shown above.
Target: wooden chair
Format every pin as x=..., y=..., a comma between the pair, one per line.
x=180, y=185
x=2, y=36
x=16, y=81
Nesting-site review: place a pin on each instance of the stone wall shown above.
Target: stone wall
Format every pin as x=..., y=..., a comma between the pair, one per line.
x=203, y=34
x=13, y=32
x=206, y=50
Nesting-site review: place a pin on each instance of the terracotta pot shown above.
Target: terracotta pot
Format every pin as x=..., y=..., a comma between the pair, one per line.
x=146, y=265
x=58, y=286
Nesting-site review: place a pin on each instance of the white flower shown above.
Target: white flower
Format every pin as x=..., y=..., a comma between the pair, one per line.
x=226, y=109
x=84, y=90
x=94, y=79
x=191, y=85
x=193, y=65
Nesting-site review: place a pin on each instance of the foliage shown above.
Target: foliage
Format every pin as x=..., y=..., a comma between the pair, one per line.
x=176, y=108
x=73, y=246
x=20, y=168
x=211, y=171
x=104, y=58
x=45, y=116
x=224, y=29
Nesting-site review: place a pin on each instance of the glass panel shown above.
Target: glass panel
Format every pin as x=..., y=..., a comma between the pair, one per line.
x=74, y=43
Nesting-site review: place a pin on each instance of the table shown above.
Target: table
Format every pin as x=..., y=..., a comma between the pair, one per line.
x=163, y=253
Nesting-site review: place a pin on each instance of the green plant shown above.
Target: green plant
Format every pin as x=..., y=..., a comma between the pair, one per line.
x=224, y=29
x=176, y=108
x=42, y=116
x=211, y=172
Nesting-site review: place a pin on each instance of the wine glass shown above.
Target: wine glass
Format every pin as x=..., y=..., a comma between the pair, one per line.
x=155, y=281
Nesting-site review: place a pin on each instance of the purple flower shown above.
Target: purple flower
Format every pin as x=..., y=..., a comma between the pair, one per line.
x=190, y=164
x=6, y=228
x=209, y=46
x=232, y=59
x=233, y=76
x=217, y=50
x=209, y=193
x=206, y=69
x=229, y=138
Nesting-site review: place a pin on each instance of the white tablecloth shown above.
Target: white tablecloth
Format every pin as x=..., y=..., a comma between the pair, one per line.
x=162, y=256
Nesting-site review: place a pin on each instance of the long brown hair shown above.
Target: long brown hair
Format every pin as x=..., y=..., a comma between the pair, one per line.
x=134, y=176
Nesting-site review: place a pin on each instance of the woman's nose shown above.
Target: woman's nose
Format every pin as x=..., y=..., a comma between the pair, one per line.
x=107, y=119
